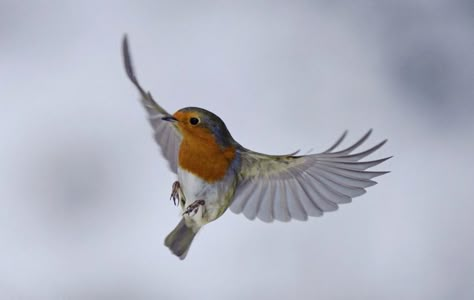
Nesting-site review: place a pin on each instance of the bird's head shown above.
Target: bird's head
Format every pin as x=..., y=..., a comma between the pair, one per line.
x=195, y=122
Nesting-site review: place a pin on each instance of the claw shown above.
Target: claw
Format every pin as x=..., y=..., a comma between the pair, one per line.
x=175, y=192
x=193, y=207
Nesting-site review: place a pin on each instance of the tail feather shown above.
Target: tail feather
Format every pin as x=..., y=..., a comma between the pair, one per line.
x=179, y=240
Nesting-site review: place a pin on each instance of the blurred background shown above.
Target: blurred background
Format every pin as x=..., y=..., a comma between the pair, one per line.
x=84, y=191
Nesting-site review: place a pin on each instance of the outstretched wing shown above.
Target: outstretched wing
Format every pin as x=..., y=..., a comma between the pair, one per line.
x=294, y=187
x=166, y=134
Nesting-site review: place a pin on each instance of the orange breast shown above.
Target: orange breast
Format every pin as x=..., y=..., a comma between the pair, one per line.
x=205, y=158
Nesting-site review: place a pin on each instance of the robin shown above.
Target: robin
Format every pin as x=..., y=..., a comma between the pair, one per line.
x=215, y=172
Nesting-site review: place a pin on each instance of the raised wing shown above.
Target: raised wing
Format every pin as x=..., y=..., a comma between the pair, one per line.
x=295, y=187
x=166, y=134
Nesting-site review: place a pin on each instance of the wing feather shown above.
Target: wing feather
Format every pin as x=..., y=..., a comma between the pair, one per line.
x=241, y=197
x=166, y=134
x=251, y=206
x=285, y=187
x=355, y=166
x=321, y=194
x=354, y=146
x=297, y=210
x=353, y=174
x=350, y=191
x=280, y=205
x=326, y=193
x=309, y=205
x=265, y=210
x=344, y=180
x=337, y=143
x=360, y=155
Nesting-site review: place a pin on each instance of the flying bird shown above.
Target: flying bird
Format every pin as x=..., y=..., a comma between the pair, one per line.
x=214, y=172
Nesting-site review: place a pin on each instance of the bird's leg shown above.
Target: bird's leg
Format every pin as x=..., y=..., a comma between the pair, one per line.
x=193, y=207
x=175, y=192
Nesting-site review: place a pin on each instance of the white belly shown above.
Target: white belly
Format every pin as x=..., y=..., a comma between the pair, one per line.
x=216, y=196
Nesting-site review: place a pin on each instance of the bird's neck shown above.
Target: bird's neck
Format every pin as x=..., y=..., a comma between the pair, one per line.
x=205, y=158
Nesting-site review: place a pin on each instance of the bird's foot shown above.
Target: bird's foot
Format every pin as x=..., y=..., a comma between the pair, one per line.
x=193, y=207
x=175, y=192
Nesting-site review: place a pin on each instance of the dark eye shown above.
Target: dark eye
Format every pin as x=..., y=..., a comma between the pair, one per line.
x=194, y=121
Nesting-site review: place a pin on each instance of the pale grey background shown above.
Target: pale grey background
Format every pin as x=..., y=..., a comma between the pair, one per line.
x=84, y=192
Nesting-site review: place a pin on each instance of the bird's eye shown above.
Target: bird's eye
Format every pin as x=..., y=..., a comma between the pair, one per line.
x=194, y=121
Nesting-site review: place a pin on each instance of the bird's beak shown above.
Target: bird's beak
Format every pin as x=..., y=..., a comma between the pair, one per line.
x=170, y=119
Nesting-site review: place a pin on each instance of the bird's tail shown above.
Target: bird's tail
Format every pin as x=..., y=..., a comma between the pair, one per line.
x=179, y=240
